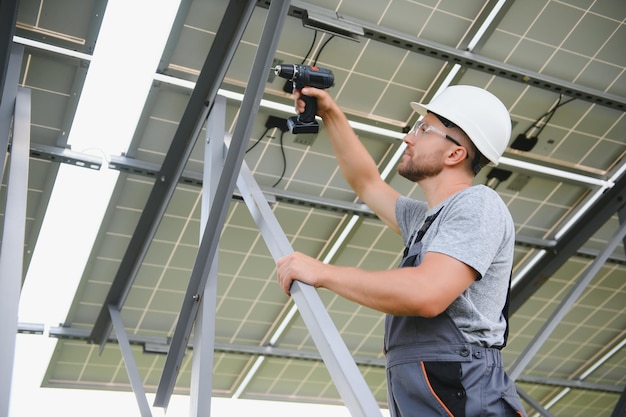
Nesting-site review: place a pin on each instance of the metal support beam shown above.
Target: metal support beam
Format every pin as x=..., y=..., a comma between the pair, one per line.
x=204, y=330
x=193, y=178
x=470, y=60
x=129, y=362
x=160, y=345
x=534, y=404
x=569, y=383
x=566, y=304
x=232, y=164
x=148, y=169
x=349, y=382
x=215, y=66
x=608, y=204
x=12, y=244
x=467, y=59
x=64, y=156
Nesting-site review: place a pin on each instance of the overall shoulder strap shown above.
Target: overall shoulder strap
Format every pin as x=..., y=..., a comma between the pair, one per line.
x=416, y=238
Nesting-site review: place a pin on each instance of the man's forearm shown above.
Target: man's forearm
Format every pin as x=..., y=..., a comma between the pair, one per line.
x=356, y=164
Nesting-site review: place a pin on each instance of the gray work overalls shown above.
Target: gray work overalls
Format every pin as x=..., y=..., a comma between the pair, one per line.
x=433, y=371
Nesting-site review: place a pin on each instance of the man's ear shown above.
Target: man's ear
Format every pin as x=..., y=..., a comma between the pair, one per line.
x=456, y=155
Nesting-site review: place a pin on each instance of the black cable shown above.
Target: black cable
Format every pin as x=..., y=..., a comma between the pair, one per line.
x=559, y=104
x=258, y=140
x=310, y=48
x=321, y=49
x=282, y=150
x=549, y=113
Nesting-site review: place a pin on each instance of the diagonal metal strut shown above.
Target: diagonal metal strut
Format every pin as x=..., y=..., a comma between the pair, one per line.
x=218, y=59
x=215, y=222
x=606, y=206
x=340, y=364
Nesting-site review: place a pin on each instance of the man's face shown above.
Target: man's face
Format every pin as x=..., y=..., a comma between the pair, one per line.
x=425, y=150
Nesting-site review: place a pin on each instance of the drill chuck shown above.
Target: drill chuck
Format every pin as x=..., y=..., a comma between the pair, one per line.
x=304, y=75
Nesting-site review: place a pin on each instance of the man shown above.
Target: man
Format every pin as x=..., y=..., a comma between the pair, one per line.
x=446, y=305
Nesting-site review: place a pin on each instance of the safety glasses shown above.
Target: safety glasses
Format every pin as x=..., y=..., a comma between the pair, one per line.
x=421, y=127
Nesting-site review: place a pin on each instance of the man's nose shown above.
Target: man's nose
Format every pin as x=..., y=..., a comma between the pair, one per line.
x=409, y=138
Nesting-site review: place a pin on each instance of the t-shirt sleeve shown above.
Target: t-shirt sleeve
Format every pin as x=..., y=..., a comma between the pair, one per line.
x=471, y=230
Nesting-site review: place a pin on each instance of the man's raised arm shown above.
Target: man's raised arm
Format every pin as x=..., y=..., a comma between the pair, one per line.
x=356, y=164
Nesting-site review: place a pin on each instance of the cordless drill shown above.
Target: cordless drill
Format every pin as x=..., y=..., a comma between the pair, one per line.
x=303, y=76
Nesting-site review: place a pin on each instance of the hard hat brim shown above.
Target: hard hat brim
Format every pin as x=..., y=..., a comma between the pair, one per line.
x=420, y=108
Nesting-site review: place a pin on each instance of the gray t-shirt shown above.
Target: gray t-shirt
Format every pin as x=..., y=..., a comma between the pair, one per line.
x=476, y=228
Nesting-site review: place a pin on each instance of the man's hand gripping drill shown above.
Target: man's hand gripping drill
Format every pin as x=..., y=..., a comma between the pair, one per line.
x=302, y=76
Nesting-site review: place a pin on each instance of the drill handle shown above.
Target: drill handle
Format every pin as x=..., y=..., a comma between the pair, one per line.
x=310, y=109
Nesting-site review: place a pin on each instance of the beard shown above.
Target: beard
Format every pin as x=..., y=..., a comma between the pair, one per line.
x=427, y=167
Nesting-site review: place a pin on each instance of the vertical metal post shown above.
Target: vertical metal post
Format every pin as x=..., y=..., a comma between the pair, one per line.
x=129, y=361
x=7, y=101
x=342, y=368
x=12, y=245
x=223, y=194
x=204, y=330
x=8, y=16
x=556, y=317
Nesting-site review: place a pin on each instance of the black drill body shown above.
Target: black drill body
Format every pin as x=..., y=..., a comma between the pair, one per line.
x=305, y=76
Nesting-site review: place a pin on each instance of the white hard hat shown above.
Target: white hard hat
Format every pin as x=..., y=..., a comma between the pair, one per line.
x=480, y=114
